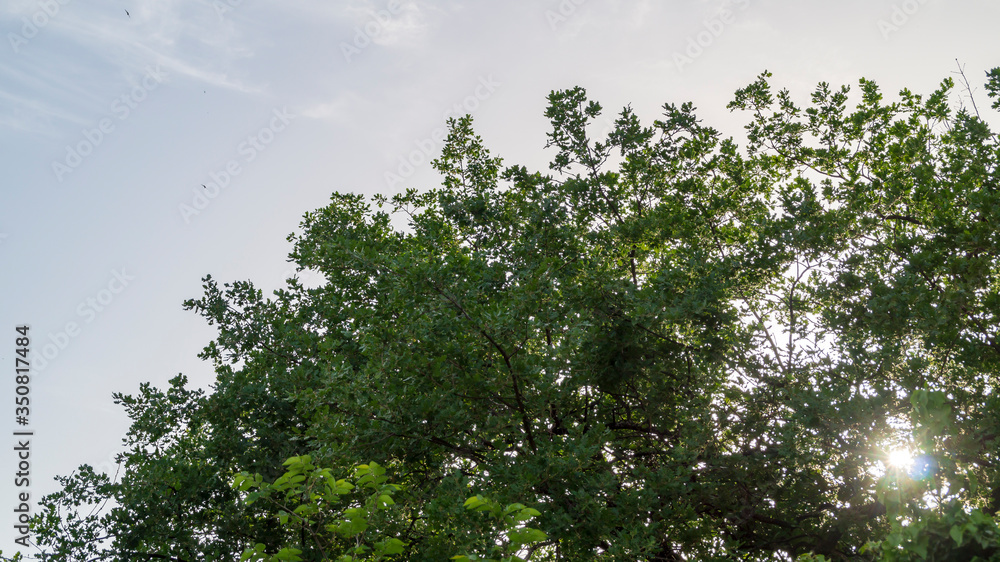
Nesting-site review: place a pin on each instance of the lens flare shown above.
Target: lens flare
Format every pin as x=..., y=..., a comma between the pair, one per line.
x=924, y=466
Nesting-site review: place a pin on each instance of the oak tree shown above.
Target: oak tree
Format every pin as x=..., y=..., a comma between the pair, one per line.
x=665, y=347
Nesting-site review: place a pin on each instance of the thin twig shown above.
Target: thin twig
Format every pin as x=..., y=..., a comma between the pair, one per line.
x=968, y=87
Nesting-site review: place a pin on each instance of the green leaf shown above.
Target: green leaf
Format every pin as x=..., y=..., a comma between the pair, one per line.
x=290, y=554
x=389, y=547
x=956, y=534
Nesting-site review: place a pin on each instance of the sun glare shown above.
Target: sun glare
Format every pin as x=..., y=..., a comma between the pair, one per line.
x=900, y=458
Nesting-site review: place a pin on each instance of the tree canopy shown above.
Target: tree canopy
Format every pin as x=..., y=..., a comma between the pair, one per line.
x=666, y=347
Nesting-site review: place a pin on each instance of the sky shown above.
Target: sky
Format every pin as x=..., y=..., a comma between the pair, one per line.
x=146, y=144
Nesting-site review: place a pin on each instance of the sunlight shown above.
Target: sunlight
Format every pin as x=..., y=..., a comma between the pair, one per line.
x=901, y=459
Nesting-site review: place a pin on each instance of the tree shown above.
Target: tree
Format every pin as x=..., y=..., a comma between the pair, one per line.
x=667, y=348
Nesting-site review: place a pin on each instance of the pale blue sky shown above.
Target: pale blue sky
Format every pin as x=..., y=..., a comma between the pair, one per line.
x=300, y=98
